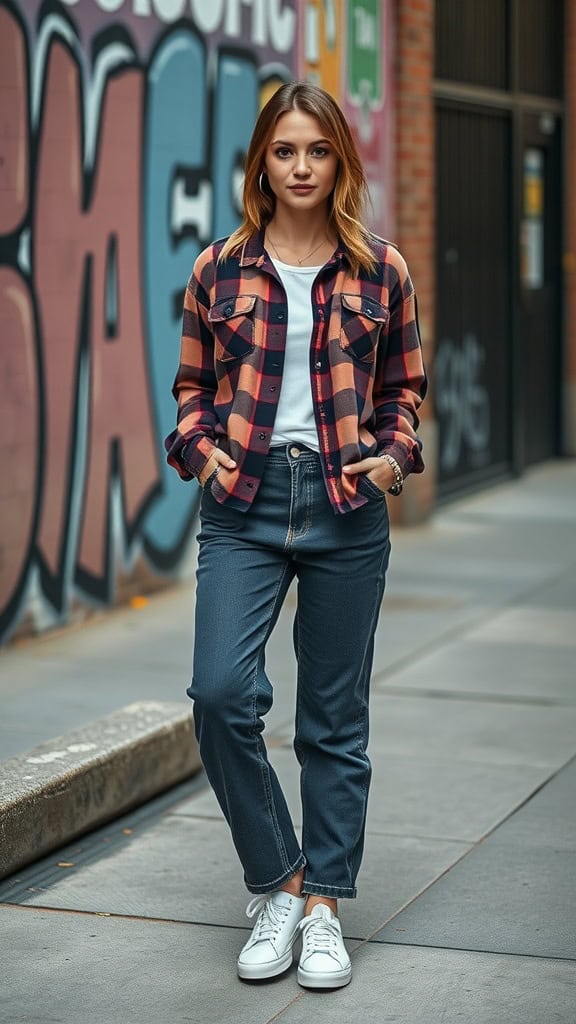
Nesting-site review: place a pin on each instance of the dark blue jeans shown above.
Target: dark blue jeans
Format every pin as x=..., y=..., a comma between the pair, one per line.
x=246, y=563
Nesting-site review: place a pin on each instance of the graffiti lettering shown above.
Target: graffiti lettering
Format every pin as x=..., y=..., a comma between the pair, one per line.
x=271, y=22
x=107, y=195
x=463, y=403
x=122, y=144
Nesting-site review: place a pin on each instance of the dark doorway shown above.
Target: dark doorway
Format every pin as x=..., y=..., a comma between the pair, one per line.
x=473, y=301
x=498, y=89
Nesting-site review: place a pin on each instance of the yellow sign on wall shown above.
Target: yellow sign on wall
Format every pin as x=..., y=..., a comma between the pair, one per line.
x=322, y=43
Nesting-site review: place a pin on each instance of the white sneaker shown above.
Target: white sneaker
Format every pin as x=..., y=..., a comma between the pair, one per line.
x=268, y=951
x=324, y=961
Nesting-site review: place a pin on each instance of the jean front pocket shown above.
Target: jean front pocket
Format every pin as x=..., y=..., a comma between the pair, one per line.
x=217, y=518
x=369, y=489
x=232, y=320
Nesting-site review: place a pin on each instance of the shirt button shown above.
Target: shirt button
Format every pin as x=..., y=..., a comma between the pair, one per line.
x=228, y=309
x=262, y=437
x=318, y=365
x=280, y=316
x=273, y=388
x=368, y=310
x=249, y=485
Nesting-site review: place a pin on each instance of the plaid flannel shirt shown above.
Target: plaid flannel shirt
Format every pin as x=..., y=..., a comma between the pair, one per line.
x=366, y=370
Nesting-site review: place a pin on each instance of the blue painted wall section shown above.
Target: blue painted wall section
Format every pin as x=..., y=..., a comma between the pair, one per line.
x=186, y=80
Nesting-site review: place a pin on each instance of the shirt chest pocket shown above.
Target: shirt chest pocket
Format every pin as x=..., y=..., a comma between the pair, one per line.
x=232, y=322
x=362, y=322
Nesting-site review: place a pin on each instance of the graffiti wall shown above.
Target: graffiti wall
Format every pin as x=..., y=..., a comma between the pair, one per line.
x=123, y=129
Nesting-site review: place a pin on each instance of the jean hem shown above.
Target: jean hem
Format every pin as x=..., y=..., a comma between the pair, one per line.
x=335, y=892
x=267, y=887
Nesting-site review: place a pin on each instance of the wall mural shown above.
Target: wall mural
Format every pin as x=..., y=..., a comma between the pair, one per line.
x=123, y=129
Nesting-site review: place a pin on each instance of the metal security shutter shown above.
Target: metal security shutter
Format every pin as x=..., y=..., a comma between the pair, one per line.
x=499, y=123
x=540, y=41
x=472, y=366
x=472, y=42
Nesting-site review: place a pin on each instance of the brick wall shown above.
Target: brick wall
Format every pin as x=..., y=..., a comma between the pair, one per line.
x=415, y=207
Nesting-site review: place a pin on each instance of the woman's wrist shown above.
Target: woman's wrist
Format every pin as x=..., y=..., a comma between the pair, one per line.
x=398, y=483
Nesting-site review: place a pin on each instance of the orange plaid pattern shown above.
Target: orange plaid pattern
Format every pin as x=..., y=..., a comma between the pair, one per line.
x=366, y=370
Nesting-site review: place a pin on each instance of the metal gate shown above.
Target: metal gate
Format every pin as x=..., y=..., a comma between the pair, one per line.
x=498, y=120
x=472, y=367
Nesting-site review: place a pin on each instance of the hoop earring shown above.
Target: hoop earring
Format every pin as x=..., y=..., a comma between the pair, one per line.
x=260, y=180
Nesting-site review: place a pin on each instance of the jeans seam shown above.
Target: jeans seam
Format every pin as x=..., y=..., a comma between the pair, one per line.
x=324, y=885
x=290, y=871
x=308, y=489
x=290, y=529
x=297, y=745
x=364, y=710
x=264, y=766
x=334, y=888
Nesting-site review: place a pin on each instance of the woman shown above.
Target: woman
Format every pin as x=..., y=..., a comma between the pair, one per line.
x=300, y=377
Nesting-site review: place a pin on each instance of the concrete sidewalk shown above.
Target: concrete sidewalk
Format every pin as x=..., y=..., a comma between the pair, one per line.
x=466, y=911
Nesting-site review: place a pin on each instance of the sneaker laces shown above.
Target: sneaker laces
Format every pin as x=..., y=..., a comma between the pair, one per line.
x=271, y=917
x=320, y=935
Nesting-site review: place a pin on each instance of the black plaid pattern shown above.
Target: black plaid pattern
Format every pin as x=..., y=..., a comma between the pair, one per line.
x=367, y=374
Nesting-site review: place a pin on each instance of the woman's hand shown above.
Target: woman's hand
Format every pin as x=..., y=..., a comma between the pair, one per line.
x=217, y=459
x=379, y=471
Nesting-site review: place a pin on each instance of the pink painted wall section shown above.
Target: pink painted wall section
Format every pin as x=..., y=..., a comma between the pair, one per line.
x=14, y=168
x=122, y=131
x=123, y=127
x=73, y=239
x=19, y=430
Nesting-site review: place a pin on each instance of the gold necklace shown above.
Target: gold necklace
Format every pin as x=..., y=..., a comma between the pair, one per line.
x=306, y=257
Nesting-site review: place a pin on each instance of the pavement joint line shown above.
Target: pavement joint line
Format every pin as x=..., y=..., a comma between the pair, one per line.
x=360, y=942
x=412, y=899
x=144, y=919
x=456, y=632
x=296, y=999
x=110, y=915
x=475, y=696
x=468, y=852
x=420, y=836
x=454, y=761
x=413, y=945
x=472, y=951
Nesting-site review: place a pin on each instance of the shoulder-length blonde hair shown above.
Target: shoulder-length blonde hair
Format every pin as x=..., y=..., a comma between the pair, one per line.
x=350, y=191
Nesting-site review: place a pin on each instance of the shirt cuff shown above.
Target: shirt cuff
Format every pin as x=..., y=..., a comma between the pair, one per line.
x=195, y=454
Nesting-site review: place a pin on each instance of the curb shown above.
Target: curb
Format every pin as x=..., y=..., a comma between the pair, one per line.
x=79, y=781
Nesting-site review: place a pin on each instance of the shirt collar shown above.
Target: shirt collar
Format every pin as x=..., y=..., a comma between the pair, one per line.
x=254, y=253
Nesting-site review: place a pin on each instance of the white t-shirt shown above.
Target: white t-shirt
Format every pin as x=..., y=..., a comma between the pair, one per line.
x=295, y=413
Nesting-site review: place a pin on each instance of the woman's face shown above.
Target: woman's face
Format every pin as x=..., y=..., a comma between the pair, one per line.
x=300, y=162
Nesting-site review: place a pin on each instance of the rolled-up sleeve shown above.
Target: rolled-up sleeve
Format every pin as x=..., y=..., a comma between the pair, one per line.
x=400, y=383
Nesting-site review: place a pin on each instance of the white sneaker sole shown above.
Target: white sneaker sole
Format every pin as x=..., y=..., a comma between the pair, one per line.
x=259, y=972
x=329, y=979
